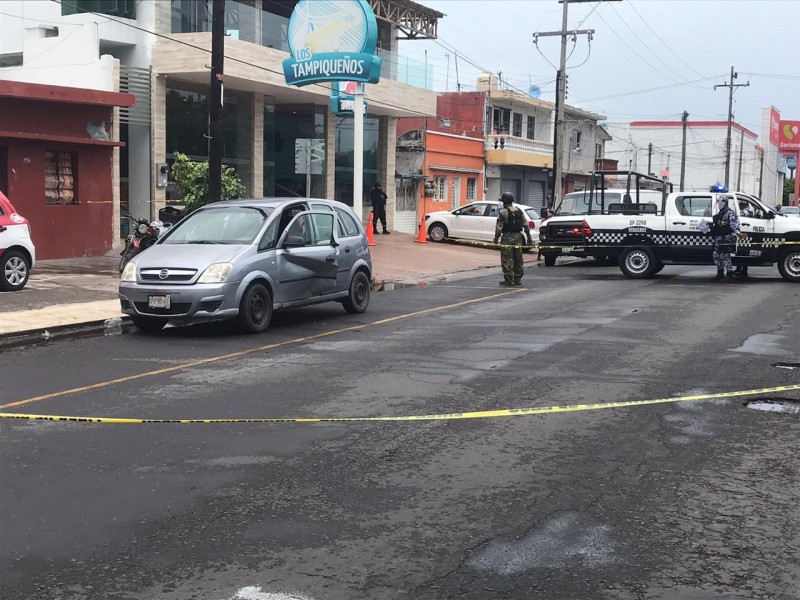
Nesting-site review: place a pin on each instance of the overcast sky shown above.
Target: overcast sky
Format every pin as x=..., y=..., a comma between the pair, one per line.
x=648, y=59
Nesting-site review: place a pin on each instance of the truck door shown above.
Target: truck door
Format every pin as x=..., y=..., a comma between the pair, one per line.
x=687, y=243
x=754, y=222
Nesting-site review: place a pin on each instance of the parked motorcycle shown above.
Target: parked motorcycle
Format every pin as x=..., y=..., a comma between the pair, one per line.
x=143, y=234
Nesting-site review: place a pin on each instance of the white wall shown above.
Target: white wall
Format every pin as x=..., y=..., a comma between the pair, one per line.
x=705, y=154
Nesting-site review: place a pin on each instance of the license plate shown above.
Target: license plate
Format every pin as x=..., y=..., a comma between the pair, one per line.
x=158, y=301
x=567, y=250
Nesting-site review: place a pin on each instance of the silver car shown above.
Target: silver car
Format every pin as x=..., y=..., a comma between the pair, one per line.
x=242, y=259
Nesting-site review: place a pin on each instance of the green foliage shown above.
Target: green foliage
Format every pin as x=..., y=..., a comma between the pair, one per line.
x=192, y=177
x=788, y=188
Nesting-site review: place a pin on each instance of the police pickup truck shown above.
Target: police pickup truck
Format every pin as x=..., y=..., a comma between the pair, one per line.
x=645, y=236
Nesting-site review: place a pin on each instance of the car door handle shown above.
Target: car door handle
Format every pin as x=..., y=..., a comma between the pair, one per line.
x=347, y=249
x=679, y=223
x=748, y=224
x=330, y=258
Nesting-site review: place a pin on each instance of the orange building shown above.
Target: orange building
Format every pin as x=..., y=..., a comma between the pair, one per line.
x=436, y=171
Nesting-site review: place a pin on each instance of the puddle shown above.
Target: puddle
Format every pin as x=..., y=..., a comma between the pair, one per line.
x=779, y=405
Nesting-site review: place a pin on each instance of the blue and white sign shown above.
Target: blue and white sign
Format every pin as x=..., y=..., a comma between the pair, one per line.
x=343, y=97
x=332, y=40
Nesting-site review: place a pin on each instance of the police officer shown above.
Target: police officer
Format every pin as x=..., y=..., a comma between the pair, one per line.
x=725, y=229
x=511, y=222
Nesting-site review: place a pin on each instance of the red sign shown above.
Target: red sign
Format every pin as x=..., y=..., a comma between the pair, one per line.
x=774, y=124
x=789, y=137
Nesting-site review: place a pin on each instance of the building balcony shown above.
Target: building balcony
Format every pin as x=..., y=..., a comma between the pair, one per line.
x=503, y=149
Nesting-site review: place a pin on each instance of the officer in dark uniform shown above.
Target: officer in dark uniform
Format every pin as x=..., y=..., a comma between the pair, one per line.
x=725, y=229
x=511, y=222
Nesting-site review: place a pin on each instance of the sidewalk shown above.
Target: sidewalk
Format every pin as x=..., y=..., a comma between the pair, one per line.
x=81, y=293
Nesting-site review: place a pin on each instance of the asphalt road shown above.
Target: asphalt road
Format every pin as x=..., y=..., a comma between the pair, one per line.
x=688, y=500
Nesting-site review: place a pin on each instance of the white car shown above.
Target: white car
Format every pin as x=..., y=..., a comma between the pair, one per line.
x=475, y=221
x=789, y=211
x=17, y=253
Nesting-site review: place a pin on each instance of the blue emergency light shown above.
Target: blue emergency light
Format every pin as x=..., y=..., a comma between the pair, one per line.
x=718, y=188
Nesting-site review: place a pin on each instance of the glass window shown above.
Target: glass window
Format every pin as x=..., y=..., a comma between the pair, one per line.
x=501, y=118
x=348, y=222
x=270, y=237
x=59, y=178
x=530, y=132
x=575, y=140
x=440, y=184
x=115, y=8
x=474, y=210
x=229, y=225
x=694, y=206
x=323, y=229
x=472, y=186
x=517, y=125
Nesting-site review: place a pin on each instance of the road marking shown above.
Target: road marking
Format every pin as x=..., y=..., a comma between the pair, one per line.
x=482, y=414
x=214, y=359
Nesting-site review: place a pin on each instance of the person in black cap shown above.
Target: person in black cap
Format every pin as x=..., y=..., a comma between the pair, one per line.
x=378, y=198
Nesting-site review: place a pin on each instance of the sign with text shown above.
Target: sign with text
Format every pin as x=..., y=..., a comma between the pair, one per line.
x=774, y=125
x=332, y=40
x=309, y=156
x=789, y=137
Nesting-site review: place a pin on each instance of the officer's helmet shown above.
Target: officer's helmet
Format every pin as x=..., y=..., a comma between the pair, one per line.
x=507, y=198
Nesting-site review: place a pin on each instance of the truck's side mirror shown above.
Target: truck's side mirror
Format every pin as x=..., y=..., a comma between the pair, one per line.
x=770, y=215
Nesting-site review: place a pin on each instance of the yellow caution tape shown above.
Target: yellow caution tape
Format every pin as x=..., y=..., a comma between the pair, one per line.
x=482, y=414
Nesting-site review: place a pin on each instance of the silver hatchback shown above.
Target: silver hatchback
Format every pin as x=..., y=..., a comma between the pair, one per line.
x=242, y=259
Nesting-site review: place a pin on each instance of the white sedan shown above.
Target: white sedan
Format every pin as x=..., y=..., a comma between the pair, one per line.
x=475, y=221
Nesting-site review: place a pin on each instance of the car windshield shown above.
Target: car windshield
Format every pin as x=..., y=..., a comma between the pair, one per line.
x=532, y=214
x=224, y=225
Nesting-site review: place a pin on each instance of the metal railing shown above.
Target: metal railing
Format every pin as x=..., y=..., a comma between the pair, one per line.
x=500, y=141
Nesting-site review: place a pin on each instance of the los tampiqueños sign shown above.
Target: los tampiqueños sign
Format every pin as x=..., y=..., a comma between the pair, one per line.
x=332, y=40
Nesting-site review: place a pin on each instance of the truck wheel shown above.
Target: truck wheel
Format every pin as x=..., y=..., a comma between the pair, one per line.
x=789, y=265
x=637, y=262
x=549, y=260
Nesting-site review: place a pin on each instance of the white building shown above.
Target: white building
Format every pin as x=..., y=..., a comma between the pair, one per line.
x=655, y=147
x=774, y=170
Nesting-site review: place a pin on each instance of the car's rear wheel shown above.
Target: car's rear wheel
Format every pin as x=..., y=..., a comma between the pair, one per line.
x=437, y=232
x=789, y=265
x=357, y=300
x=149, y=324
x=14, y=271
x=638, y=262
x=255, y=309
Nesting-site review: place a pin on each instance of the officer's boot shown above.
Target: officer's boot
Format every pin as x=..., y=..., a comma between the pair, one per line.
x=720, y=275
x=729, y=277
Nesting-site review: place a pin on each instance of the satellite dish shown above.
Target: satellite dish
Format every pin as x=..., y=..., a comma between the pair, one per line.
x=604, y=125
x=535, y=91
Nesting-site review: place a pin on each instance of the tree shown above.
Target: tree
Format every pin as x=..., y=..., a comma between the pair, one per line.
x=788, y=188
x=192, y=177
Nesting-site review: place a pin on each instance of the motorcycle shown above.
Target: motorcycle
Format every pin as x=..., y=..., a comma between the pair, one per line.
x=143, y=234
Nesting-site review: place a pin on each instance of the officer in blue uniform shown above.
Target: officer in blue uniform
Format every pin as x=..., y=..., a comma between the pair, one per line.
x=725, y=229
x=511, y=222
x=745, y=211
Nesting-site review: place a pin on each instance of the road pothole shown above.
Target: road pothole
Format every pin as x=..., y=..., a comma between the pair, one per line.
x=779, y=405
x=786, y=365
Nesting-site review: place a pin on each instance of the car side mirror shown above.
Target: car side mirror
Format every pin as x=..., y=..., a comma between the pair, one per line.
x=294, y=241
x=770, y=215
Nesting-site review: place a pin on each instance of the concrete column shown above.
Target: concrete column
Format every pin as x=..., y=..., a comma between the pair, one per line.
x=330, y=155
x=387, y=146
x=245, y=122
x=115, y=169
x=258, y=145
x=158, y=118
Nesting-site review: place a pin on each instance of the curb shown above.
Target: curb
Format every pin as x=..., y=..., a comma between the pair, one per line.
x=33, y=337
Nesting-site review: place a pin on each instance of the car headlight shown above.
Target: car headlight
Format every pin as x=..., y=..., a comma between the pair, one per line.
x=129, y=272
x=216, y=273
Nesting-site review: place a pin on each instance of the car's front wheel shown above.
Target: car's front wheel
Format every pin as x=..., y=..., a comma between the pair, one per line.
x=14, y=271
x=357, y=300
x=255, y=309
x=437, y=232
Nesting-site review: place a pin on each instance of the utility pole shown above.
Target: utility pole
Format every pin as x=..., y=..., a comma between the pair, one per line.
x=739, y=174
x=215, y=102
x=685, y=121
x=761, y=175
x=649, y=158
x=560, y=96
x=732, y=86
